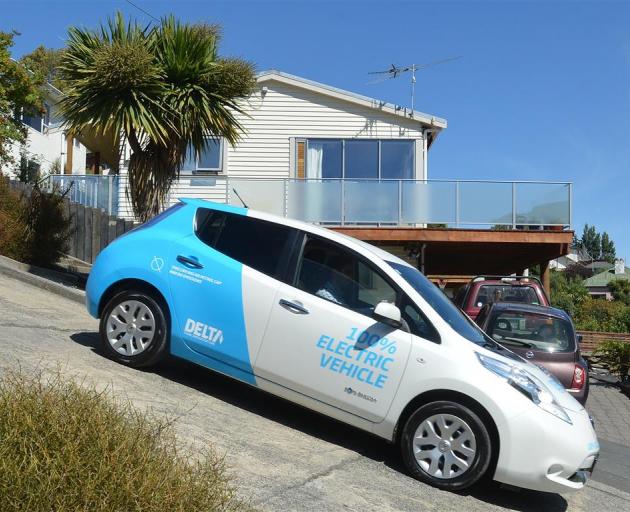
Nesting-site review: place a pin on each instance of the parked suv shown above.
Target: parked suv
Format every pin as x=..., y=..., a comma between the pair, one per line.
x=345, y=329
x=482, y=290
x=544, y=336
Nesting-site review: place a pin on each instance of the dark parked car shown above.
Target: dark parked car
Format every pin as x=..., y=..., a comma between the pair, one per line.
x=482, y=290
x=542, y=335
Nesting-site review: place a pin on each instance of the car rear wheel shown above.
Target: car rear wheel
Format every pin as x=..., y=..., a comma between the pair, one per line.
x=446, y=445
x=134, y=329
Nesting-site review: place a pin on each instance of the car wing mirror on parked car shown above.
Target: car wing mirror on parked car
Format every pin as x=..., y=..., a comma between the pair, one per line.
x=387, y=313
x=580, y=338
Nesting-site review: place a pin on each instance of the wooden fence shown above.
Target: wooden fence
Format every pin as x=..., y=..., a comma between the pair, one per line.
x=591, y=340
x=91, y=229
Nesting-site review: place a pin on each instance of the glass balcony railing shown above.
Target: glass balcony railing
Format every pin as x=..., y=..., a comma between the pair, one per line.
x=455, y=204
x=336, y=202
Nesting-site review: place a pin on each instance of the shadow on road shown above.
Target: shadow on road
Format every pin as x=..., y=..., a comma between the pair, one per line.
x=294, y=416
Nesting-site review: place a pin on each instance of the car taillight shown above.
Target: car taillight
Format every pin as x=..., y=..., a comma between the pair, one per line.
x=579, y=377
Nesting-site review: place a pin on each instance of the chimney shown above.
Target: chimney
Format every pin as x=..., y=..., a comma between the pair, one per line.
x=620, y=266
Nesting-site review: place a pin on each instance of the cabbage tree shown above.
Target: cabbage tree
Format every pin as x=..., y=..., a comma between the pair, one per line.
x=163, y=87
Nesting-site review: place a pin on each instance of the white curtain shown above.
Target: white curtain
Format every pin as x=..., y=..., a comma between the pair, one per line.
x=314, y=160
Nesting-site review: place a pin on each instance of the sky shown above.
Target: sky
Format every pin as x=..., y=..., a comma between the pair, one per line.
x=541, y=92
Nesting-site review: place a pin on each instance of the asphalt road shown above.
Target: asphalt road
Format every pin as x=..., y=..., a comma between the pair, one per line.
x=281, y=456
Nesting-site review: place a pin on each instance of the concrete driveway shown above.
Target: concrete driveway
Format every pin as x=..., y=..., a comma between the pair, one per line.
x=282, y=456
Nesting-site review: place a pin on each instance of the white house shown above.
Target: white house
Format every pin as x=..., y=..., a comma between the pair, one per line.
x=299, y=131
x=47, y=145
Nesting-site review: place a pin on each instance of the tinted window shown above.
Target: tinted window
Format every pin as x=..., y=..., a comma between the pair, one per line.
x=256, y=243
x=532, y=330
x=442, y=305
x=337, y=275
x=417, y=322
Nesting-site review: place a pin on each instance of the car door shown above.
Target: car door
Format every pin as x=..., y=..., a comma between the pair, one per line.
x=223, y=284
x=322, y=340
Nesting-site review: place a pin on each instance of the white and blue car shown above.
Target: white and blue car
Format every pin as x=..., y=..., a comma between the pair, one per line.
x=345, y=329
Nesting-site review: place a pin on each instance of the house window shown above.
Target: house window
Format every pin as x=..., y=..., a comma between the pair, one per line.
x=324, y=159
x=358, y=159
x=210, y=159
x=36, y=120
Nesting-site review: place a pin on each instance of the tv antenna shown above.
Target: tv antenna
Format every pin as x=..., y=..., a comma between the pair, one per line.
x=395, y=71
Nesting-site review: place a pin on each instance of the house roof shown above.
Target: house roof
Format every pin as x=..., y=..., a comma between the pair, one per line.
x=428, y=120
x=603, y=278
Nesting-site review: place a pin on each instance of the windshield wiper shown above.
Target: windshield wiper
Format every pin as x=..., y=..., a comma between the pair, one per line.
x=519, y=342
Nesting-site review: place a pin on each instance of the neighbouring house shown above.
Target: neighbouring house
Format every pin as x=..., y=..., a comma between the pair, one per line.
x=360, y=166
x=597, y=285
x=574, y=256
x=49, y=148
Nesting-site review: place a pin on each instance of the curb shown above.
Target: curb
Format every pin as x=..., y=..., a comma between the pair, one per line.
x=55, y=282
x=608, y=489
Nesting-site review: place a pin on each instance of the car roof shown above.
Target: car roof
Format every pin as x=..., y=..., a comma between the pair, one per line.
x=297, y=224
x=530, y=308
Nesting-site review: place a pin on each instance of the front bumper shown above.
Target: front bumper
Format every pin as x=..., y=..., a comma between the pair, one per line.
x=544, y=453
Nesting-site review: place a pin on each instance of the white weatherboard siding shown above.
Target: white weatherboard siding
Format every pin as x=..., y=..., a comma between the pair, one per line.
x=280, y=111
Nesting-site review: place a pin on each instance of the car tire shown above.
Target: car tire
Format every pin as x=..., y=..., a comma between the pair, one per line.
x=134, y=329
x=453, y=457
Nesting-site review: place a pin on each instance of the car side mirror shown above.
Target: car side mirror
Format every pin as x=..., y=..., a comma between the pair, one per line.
x=387, y=313
x=580, y=338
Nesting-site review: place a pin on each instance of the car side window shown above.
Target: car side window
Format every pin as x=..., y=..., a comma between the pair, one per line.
x=259, y=244
x=416, y=322
x=338, y=275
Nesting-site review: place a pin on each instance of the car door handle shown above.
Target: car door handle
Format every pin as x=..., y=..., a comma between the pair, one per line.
x=189, y=262
x=293, y=306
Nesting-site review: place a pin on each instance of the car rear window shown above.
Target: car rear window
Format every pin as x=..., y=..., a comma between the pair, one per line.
x=532, y=330
x=505, y=293
x=256, y=243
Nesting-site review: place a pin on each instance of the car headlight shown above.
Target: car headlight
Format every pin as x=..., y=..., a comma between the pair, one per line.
x=528, y=384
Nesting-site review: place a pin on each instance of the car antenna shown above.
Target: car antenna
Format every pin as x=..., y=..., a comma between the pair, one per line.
x=237, y=195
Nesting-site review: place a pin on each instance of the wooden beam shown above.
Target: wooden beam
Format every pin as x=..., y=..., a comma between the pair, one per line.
x=456, y=235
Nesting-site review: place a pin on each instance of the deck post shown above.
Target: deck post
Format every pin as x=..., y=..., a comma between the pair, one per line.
x=545, y=276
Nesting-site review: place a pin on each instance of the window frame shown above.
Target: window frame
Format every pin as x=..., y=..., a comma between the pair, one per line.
x=306, y=140
x=208, y=170
x=295, y=264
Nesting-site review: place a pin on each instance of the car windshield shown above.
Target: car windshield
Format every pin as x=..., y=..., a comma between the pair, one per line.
x=505, y=293
x=442, y=305
x=531, y=330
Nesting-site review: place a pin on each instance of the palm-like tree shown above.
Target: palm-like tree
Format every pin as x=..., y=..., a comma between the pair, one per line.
x=163, y=87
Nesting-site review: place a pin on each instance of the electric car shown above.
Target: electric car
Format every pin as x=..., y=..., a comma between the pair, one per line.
x=346, y=329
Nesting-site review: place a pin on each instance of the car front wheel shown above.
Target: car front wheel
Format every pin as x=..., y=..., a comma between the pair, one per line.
x=446, y=445
x=134, y=329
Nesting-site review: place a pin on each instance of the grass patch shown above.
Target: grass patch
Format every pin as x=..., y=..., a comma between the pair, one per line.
x=68, y=447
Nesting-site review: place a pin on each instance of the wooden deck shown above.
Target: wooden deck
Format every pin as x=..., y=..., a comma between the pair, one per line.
x=465, y=252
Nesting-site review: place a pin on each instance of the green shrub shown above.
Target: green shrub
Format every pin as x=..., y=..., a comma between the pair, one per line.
x=615, y=355
x=67, y=447
x=602, y=315
x=13, y=229
x=48, y=227
x=567, y=293
x=33, y=227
